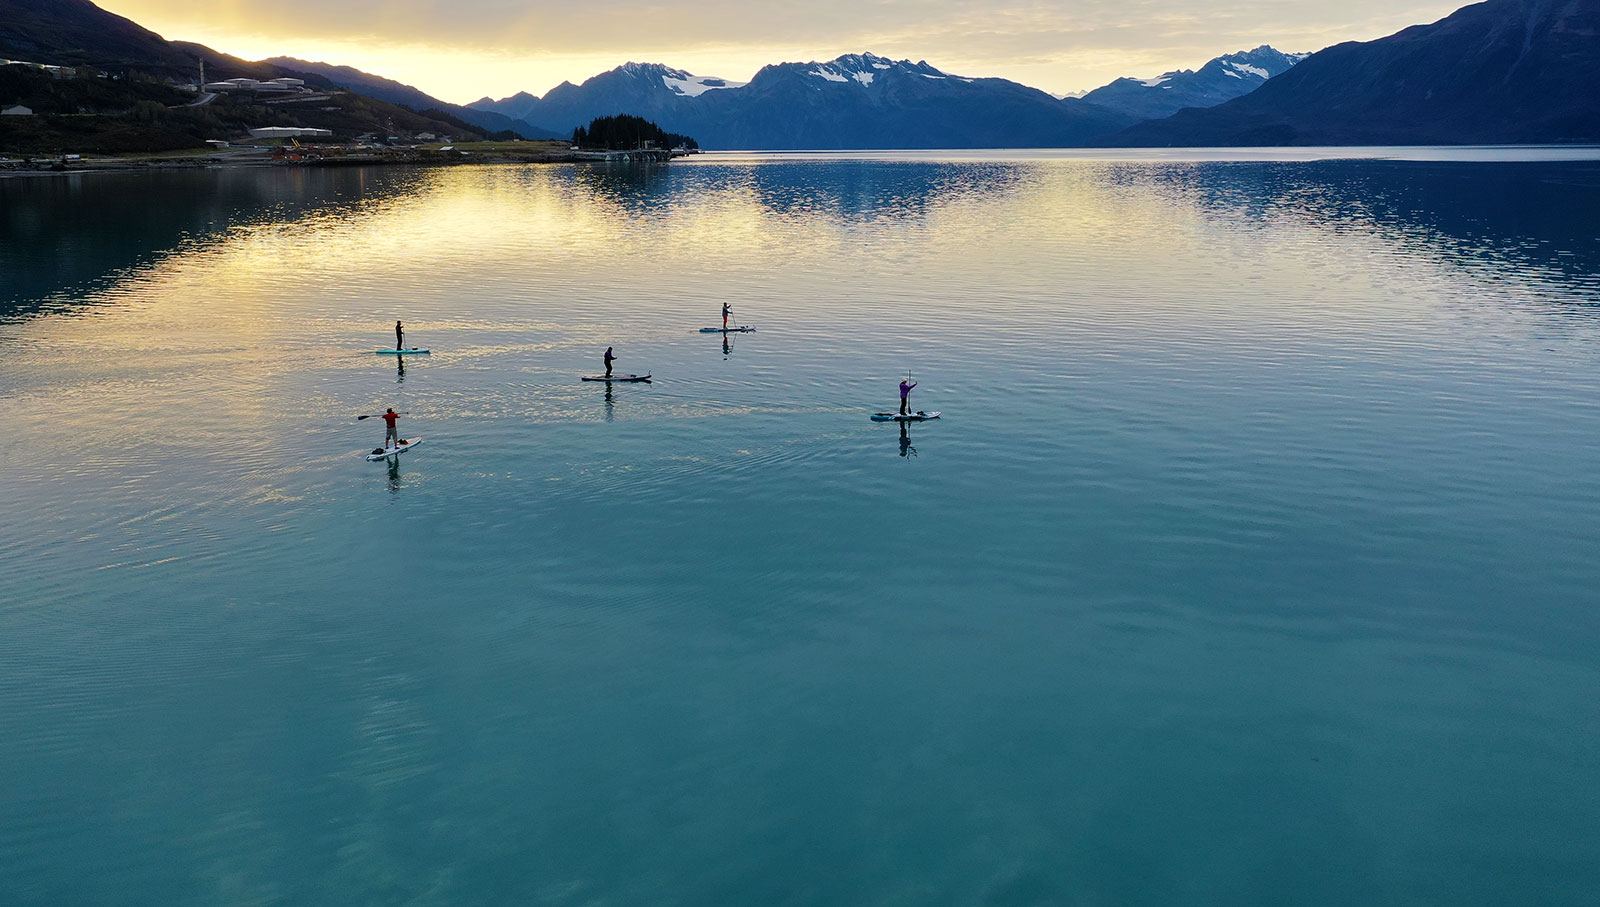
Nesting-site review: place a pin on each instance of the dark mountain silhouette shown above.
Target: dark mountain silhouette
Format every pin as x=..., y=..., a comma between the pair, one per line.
x=415, y=98
x=1504, y=71
x=142, y=109
x=77, y=33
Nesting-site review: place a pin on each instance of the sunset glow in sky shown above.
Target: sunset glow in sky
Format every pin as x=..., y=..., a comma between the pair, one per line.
x=462, y=50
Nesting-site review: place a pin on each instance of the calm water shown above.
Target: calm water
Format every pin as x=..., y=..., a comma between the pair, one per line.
x=1254, y=561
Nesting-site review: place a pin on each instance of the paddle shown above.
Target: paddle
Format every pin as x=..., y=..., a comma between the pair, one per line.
x=379, y=416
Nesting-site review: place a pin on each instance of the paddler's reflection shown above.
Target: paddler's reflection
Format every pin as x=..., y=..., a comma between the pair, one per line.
x=394, y=473
x=610, y=406
x=400, y=366
x=906, y=450
x=727, y=349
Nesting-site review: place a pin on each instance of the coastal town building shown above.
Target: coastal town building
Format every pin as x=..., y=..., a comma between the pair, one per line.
x=16, y=110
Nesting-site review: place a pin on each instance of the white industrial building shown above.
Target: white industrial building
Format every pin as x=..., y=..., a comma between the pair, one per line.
x=284, y=84
x=60, y=72
x=16, y=110
x=285, y=132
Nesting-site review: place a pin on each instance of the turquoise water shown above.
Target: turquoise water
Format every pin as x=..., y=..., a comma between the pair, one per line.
x=1254, y=560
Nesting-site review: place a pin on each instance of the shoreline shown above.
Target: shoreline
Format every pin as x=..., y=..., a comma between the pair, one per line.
x=259, y=157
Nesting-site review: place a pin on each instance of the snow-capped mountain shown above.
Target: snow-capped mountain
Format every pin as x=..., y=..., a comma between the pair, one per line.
x=868, y=101
x=853, y=101
x=1221, y=79
x=649, y=90
x=863, y=69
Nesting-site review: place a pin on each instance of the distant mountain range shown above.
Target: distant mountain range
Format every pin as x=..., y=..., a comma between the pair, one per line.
x=1504, y=71
x=868, y=101
x=1221, y=79
x=855, y=101
x=1498, y=71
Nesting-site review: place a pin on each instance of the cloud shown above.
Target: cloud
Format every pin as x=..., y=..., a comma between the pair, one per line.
x=501, y=46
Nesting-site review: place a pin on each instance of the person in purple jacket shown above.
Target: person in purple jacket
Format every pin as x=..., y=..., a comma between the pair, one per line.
x=905, y=397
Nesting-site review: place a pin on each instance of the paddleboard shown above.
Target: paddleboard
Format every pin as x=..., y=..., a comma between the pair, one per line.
x=741, y=329
x=388, y=452
x=412, y=351
x=909, y=417
x=616, y=378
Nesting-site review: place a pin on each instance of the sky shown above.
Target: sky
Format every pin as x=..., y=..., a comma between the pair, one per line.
x=461, y=50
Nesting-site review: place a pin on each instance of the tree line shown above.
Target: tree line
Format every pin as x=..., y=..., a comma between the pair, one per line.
x=624, y=132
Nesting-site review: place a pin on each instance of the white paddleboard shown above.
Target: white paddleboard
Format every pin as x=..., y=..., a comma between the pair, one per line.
x=909, y=417
x=741, y=329
x=616, y=378
x=412, y=351
x=388, y=452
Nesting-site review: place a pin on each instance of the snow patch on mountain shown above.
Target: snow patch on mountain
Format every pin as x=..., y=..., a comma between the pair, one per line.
x=865, y=68
x=692, y=86
x=862, y=68
x=678, y=81
x=1253, y=70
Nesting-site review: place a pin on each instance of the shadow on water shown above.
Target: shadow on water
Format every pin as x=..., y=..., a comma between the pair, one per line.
x=839, y=191
x=1531, y=215
x=65, y=237
x=860, y=191
x=634, y=186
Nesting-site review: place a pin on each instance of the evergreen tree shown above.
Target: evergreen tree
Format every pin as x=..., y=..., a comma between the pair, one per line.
x=625, y=132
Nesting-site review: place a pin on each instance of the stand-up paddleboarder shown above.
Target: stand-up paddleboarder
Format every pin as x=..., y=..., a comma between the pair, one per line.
x=905, y=397
x=390, y=433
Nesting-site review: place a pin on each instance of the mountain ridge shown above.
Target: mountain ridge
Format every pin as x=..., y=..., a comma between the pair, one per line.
x=852, y=101
x=125, y=94
x=385, y=89
x=1499, y=71
x=1496, y=72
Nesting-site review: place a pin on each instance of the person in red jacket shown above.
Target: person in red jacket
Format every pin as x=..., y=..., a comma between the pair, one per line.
x=390, y=433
